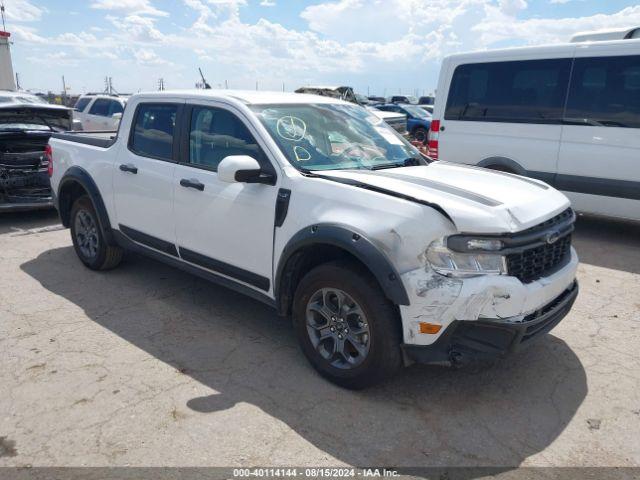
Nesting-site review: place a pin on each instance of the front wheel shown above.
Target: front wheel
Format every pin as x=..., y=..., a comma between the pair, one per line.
x=88, y=239
x=347, y=328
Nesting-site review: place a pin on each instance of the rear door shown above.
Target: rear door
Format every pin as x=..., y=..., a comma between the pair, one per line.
x=143, y=176
x=226, y=228
x=506, y=113
x=599, y=162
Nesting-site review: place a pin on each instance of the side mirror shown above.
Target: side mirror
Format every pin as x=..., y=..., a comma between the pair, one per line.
x=243, y=169
x=117, y=116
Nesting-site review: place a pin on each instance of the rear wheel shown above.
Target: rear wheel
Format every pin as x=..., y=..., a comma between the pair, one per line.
x=88, y=238
x=347, y=328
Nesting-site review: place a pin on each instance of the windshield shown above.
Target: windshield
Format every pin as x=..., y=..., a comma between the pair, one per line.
x=334, y=136
x=416, y=111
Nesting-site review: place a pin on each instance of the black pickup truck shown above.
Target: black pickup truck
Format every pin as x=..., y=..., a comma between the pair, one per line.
x=25, y=129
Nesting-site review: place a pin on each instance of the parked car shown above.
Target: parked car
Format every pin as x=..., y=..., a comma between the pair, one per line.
x=309, y=205
x=567, y=114
x=99, y=112
x=406, y=99
x=397, y=121
x=377, y=100
x=26, y=123
x=418, y=119
x=427, y=100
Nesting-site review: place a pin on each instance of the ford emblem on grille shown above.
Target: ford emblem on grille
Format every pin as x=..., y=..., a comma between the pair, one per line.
x=552, y=237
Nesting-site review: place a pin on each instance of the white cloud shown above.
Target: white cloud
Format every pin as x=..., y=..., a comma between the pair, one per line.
x=512, y=7
x=22, y=11
x=147, y=57
x=267, y=3
x=138, y=7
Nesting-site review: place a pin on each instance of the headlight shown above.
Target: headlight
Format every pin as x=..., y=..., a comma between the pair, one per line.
x=448, y=262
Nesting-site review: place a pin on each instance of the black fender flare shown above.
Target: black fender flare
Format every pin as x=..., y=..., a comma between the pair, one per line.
x=515, y=167
x=80, y=176
x=354, y=243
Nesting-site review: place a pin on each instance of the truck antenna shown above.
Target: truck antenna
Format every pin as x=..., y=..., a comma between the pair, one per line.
x=204, y=81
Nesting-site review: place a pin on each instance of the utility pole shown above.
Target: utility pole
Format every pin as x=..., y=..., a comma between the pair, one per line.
x=4, y=26
x=18, y=86
x=161, y=84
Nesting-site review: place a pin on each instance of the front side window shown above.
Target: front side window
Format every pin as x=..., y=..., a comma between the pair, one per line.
x=81, y=104
x=152, y=134
x=522, y=91
x=100, y=107
x=605, y=92
x=115, y=107
x=334, y=136
x=215, y=134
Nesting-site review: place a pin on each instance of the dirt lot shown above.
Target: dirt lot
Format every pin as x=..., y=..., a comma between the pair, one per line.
x=146, y=365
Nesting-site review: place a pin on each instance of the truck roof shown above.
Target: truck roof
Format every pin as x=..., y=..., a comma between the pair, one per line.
x=249, y=97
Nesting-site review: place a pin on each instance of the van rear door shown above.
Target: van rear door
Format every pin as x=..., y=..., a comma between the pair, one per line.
x=599, y=160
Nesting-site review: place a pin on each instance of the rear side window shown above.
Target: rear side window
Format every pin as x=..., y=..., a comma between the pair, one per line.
x=216, y=134
x=153, y=130
x=605, y=91
x=115, y=107
x=81, y=104
x=532, y=91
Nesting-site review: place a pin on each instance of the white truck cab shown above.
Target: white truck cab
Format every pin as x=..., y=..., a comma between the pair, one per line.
x=99, y=112
x=319, y=209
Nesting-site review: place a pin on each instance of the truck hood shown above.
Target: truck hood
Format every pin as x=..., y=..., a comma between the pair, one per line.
x=477, y=200
x=52, y=116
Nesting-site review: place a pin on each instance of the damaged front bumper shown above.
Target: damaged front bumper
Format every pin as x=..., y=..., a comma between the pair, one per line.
x=485, y=304
x=467, y=342
x=24, y=189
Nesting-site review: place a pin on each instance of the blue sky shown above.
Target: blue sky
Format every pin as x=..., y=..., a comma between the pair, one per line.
x=377, y=46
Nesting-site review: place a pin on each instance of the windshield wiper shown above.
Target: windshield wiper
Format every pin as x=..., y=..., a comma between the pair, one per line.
x=407, y=162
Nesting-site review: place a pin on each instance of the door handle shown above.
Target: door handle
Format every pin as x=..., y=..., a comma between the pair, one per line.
x=192, y=183
x=129, y=168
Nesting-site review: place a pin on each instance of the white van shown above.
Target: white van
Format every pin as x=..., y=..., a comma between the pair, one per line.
x=566, y=114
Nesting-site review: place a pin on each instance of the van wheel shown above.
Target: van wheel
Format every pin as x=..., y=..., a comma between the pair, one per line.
x=420, y=135
x=88, y=238
x=347, y=328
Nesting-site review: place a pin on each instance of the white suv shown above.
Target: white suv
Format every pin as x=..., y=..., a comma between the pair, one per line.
x=99, y=112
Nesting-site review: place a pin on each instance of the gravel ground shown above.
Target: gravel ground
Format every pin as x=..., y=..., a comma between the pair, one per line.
x=149, y=366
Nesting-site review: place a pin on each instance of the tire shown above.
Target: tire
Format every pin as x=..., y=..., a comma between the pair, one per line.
x=365, y=309
x=421, y=135
x=88, y=238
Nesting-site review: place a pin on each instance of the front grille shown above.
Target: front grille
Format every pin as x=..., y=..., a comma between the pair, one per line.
x=541, y=259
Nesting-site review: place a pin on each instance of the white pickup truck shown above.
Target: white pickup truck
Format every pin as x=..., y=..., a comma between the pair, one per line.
x=321, y=210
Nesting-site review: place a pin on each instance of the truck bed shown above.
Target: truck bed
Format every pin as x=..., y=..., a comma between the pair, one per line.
x=96, y=139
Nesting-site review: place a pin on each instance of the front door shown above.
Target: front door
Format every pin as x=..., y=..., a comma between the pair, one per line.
x=143, y=177
x=226, y=228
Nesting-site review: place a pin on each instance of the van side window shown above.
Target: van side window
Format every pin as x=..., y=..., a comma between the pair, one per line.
x=531, y=91
x=152, y=134
x=215, y=134
x=605, y=91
